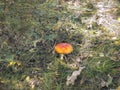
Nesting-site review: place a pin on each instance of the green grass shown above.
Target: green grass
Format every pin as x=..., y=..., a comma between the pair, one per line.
x=30, y=30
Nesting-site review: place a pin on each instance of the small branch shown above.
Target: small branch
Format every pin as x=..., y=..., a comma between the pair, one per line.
x=71, y=79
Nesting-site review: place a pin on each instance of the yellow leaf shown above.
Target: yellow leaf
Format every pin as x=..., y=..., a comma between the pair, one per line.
x=4, y=44
x=18, y=63
x=118, y=19
x=117, y=42
x=41, y=78
x=36, y=68
x=101, y=54
x=27, y=78
x=12, y=63
x=111, y=34
x=32, y=50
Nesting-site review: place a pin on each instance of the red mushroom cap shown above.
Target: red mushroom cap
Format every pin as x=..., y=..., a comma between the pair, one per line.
x=63, y=48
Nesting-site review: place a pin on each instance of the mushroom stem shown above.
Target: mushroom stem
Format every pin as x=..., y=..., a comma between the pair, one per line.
x=61, y=56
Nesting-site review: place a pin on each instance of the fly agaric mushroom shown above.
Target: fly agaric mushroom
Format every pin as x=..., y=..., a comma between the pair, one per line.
x=63, y=48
